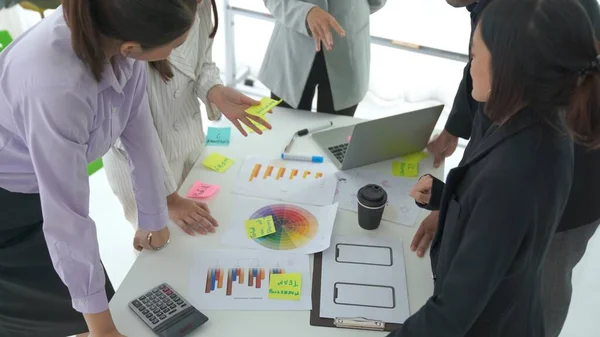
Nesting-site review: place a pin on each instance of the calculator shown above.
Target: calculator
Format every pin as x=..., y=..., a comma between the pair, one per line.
x=166, y=312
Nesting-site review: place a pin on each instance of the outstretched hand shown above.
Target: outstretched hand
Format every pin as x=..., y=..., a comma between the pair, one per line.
x=233, y=105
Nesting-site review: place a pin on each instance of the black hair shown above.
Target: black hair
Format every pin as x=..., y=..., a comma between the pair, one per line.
x=151, y=23
x=544, y=56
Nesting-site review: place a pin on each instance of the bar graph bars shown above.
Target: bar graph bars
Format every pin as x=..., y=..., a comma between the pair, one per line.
x=268, y=172
x=278, y=173
x=251, y=277
x=255, y=171
x=214, y=279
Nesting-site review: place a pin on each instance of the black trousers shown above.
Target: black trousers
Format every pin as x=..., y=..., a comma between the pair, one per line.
x=318, y=79
x=34, y=302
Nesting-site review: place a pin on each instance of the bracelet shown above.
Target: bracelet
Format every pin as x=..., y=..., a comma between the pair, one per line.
x=149, y=238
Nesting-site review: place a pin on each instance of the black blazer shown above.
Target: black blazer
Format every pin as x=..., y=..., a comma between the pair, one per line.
x=498, y=212
x=582, y=208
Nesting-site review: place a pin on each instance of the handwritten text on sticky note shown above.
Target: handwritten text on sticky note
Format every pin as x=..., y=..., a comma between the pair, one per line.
x=218, y=136
x=405, y=169
x=266, y=105
x=217, y=162
x=257, y=228
x=201, y=190
x=258, y=125
x=285, y=286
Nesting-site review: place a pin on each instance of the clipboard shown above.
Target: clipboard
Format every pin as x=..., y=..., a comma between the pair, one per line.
x=340, y=322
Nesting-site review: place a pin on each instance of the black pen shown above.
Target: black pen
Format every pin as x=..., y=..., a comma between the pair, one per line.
x=305, y=132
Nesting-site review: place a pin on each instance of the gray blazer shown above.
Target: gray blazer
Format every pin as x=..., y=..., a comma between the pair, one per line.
x=291, y=50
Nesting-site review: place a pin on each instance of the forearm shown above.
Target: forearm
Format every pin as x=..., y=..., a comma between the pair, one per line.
x=100, y=323
x=460, y=3
x=143, y=147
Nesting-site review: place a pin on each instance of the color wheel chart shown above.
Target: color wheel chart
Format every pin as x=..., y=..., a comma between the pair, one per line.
x=255, y=278
x=278, y=173
x=295, y=226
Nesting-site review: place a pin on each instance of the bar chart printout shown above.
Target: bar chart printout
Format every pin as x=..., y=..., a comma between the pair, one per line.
x=293, y=181
x=239, y=280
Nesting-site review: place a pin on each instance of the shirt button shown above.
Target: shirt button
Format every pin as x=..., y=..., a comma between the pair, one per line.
x=114, y=110
x=177, y=93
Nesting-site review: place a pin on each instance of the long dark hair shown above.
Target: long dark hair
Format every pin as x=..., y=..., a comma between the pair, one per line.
x=544, y=56
x=163, y=67
x=151, y=23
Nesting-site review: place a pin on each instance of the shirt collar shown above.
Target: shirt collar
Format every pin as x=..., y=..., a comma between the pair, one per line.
x=185, y=57
x=117, y=75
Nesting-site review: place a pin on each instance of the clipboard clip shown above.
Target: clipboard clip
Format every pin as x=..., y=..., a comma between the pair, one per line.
x=358, y=323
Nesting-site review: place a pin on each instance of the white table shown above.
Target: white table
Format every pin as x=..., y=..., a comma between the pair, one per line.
x=173, y=264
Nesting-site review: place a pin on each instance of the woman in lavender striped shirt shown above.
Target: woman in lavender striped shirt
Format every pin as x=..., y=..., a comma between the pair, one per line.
x=69, y=87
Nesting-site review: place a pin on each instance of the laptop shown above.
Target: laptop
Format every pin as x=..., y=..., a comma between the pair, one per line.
x=380, y=139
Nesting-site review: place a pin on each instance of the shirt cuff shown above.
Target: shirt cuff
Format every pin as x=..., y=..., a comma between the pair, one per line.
x=435, y=200
x=92, y=304
x=153, y=222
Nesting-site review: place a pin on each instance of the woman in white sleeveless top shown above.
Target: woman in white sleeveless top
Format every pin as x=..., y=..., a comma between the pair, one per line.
x=174, y=87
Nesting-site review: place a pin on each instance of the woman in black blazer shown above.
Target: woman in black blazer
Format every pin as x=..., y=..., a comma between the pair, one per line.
x=535, y=64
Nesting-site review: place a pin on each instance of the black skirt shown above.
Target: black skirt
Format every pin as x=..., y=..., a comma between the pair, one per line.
x=34, y=302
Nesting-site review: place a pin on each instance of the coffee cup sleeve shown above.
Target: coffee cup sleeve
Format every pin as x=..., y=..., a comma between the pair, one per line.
x=437, y=188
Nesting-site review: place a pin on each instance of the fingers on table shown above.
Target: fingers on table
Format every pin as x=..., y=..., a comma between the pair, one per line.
x=185, y=227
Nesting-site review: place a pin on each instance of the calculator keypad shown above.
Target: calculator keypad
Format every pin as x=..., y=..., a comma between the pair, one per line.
x=158, y=305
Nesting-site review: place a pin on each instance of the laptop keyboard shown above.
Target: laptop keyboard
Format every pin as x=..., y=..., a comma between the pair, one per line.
x=339, y=151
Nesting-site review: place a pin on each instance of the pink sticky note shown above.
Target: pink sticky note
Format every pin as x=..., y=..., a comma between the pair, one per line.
x=201, y=190
x=349, y=139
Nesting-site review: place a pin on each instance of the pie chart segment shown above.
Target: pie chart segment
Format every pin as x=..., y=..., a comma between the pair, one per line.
x=295, y=227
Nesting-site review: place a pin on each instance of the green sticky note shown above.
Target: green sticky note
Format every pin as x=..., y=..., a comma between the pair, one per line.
x=285, y=286
x=218, y=162
x=218, y=136
x=405, y=169
x=258, y=125
x=266, y=104
x=257, y=228
x=415, y=157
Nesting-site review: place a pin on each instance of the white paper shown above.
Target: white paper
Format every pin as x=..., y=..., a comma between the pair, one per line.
x=287, y=180
x=245, y=293
x=302, y=229
x=401, y=208
x=364, y=277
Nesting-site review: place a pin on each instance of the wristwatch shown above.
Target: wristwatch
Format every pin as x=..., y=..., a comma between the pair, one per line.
x=149, y=238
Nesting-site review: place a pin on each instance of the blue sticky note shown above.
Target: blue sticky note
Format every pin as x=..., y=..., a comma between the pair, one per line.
x=218, y=136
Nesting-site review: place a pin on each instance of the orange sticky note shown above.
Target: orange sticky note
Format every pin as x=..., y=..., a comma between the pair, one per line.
x=201, y=190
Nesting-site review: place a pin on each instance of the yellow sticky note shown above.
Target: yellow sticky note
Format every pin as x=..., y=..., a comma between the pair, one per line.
x=257, y=228
x=258, y=125
x=415, y=157
x=405, y=169
x=285, y=286
x=266, y=104
x=218, y=162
